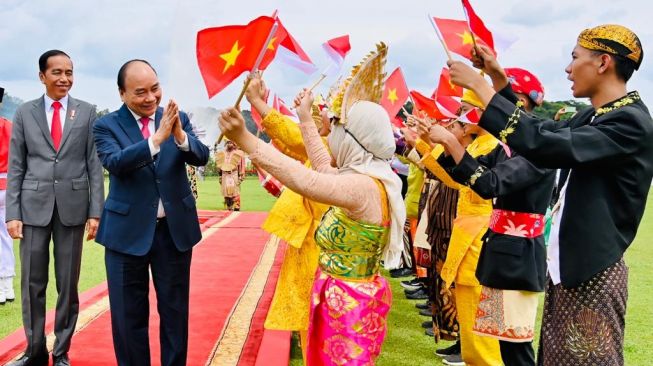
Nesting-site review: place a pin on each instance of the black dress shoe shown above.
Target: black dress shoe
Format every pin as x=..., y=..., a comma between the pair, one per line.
x=426, y=312
x=401, y=272
x=40, y=359
x=419, y=295
x=427, y=324
x=409, y=292
x=60, y=360
x=429, y=332
x=454, y=349
x=414, y=281
x=423, y=305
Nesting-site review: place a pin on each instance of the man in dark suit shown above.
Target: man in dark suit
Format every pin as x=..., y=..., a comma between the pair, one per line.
x=149, y=220
x=54, y=187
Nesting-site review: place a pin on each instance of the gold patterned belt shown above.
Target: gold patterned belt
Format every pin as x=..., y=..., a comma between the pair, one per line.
x=348, y=266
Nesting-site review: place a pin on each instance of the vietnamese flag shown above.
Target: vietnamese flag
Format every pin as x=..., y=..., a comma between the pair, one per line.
x=395, y=93
x=446, y=87
x=458, y=37
x=224, y=53
x=477, y=26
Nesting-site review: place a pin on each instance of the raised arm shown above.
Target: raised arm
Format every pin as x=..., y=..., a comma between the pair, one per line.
x=357, y=194
x=283, y=131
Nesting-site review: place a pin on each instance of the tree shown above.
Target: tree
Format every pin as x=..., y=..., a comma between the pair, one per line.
x=9, y=106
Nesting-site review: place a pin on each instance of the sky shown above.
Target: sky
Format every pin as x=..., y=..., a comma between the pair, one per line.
x=100, y=35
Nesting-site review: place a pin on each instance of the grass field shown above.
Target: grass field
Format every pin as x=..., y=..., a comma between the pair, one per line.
x=406, y=343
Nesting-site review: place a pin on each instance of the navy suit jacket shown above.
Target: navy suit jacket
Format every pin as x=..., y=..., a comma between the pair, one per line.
x=137, y=181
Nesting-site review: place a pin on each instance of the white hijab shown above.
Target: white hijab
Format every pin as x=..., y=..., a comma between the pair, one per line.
x=368, y=150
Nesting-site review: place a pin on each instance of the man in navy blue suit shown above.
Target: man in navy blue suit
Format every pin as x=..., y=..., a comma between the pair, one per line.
x=149, y=221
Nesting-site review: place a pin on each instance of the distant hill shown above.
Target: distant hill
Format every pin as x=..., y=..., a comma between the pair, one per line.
x=549, y=109
x=9, y=106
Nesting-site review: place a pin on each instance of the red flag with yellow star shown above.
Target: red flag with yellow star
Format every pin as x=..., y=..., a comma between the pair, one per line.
x=395, y=93
x=223, y=53
x=457, y=36
x=446, y=87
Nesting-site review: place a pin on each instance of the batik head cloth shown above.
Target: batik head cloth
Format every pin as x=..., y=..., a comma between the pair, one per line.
x=613, y=39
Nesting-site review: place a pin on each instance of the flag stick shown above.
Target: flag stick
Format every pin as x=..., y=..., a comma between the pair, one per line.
x=322, y=77
x=437, y=32
x=259, y=59
x=470, y=27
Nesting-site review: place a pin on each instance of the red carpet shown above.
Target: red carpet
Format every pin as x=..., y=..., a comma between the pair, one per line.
x=222, y=275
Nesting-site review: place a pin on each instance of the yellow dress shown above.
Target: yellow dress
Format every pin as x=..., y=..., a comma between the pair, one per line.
x=294, y=219
x=469, y=227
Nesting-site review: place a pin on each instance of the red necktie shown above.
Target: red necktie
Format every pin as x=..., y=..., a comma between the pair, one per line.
x=145, y=131
x=55, y=130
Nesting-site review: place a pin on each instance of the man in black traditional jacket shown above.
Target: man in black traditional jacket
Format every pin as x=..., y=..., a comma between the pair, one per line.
x=606, y=153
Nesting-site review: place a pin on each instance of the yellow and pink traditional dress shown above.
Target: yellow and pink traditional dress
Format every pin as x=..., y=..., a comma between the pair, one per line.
x=350, y=300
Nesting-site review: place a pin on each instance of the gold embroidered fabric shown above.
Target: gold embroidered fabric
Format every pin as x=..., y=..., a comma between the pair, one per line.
x=350, y=250
x=285, y=135
x=614, y=39
x=630, y=98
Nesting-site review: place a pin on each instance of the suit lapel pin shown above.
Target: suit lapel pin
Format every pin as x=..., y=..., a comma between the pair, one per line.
x=72, y=114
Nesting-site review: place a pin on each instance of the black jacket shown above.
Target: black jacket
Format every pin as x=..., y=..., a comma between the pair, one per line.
x=610, y=154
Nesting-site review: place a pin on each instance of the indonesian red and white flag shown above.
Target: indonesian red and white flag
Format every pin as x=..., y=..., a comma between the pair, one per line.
x=279, y=105
x=336, y=49
x=291, y=53
x=472, y=116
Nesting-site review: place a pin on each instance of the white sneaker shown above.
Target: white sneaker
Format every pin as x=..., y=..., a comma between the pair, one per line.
x=9, y=288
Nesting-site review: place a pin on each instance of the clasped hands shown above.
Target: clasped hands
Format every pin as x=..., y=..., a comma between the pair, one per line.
x=170, y=124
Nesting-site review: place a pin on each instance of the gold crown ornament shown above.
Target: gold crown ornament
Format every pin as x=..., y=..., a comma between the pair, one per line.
x=364, y=83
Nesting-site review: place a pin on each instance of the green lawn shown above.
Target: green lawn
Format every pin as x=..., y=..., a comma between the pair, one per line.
x=406, y=343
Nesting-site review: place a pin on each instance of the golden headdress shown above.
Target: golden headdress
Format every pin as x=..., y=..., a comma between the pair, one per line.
x=614, y=39
x=364, y=83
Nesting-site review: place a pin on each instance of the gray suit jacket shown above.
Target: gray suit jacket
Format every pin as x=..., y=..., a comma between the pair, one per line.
x=39, y=176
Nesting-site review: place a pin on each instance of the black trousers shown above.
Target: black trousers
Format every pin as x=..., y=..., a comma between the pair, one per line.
x=129, y=282
x=517, y=354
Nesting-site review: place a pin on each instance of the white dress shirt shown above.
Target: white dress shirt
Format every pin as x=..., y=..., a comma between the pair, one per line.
x=49, y=111
x=553, y=251
x=160, y=212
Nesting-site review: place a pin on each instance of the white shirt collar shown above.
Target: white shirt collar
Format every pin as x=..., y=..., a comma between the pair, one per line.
x=48, y=102
x=138, y=118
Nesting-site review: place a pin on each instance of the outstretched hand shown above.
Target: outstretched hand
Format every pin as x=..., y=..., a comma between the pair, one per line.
x=463, y=75
x=256, y=89
x=439, y=134
x=483, y=58
x=232, y=125
x=304, y=103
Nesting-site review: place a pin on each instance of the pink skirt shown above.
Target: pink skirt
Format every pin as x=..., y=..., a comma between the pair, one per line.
x=348, y=320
